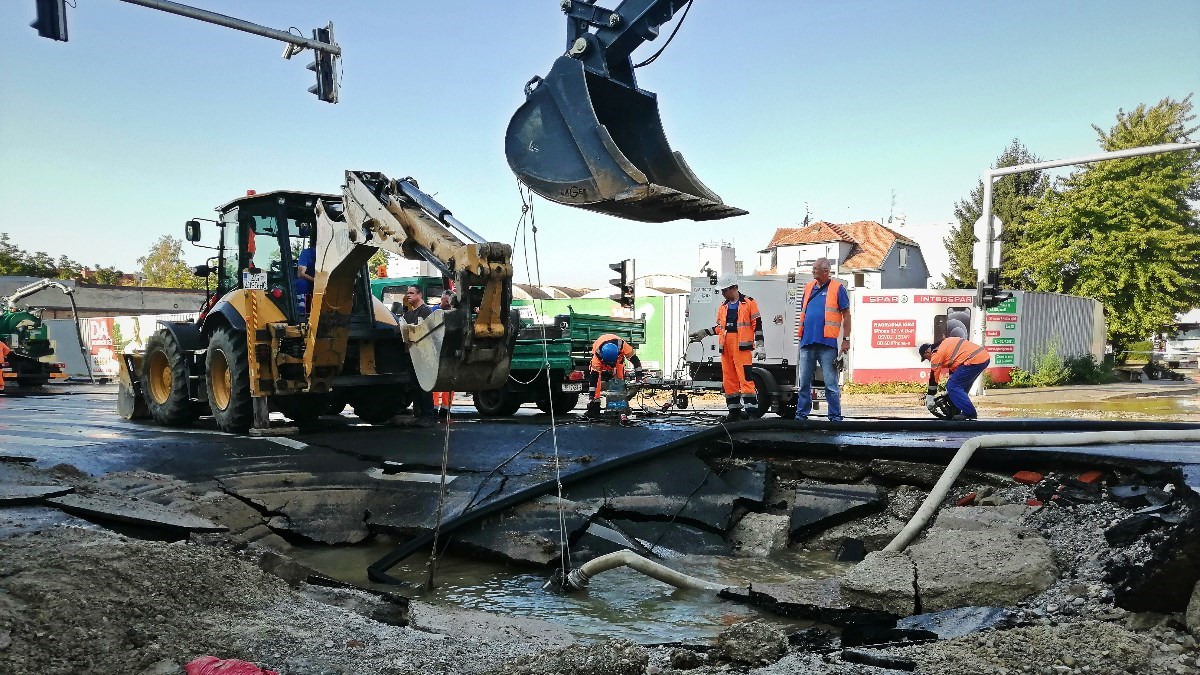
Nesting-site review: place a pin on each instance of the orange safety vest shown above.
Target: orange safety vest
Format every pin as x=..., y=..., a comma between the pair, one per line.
x=833, y=315
x=954, y=352
x=747, y=317
x=600, y=366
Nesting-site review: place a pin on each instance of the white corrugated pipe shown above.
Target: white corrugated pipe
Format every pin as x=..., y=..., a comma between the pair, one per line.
x=930, y=506
x=578, y=578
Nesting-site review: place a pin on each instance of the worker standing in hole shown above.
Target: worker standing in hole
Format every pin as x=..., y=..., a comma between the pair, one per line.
x=739, y=332
x=416, y=311
x=442, y=400
x=965, y=361
x=609, y=354
x=824, y=315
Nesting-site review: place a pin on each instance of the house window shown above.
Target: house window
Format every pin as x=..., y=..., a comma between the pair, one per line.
x=858, y=280
x=903, y=257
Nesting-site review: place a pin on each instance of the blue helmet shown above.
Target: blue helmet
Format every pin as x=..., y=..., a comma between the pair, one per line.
x=609, y=351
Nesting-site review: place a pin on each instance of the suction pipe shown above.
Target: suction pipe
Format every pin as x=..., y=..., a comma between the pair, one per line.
x=923, y=515
x=578, y=578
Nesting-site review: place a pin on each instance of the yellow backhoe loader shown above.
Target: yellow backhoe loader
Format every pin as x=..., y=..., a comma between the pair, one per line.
x=258, y=345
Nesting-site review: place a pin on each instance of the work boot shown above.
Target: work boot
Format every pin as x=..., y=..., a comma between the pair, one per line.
x=593, y=410
x=734, y=415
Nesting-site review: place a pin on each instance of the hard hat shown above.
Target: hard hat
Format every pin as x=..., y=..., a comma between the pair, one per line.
x=609, y=351
x=727, y=281
x=921, y=350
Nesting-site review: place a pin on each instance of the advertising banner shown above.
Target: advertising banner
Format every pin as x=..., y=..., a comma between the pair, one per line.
x=890, y=325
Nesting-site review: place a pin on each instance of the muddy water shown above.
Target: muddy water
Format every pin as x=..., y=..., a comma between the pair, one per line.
x=1165, y=407
x=618, y=604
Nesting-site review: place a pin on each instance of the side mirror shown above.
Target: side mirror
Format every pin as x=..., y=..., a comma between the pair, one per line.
x=202, y=271
x=191, y=231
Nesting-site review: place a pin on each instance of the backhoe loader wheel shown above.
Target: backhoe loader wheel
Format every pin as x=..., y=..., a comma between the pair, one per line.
x=496, y=403
x=379, y=404
x=227, y=376
x=165, y=381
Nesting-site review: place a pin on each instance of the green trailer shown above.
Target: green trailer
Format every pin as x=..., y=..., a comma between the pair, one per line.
x=549, y=362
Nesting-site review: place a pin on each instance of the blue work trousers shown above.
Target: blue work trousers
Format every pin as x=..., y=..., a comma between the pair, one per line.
x=810, y=356
x=958, y=384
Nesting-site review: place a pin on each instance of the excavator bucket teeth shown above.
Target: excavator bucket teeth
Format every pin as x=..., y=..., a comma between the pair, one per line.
x=446, y=358
x=585, y=140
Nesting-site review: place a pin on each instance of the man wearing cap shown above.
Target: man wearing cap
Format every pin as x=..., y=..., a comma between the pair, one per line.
x=739, y=333
x=964, y=360
x=824, y=316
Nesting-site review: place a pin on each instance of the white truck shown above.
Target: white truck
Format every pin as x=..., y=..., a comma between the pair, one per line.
x=1181, y=348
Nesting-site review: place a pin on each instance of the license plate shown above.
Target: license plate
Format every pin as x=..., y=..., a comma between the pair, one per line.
x=254, y=281
x=572, y=386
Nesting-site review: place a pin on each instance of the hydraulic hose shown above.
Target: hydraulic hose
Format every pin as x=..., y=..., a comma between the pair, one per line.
x=579, y=577
x=930, y=506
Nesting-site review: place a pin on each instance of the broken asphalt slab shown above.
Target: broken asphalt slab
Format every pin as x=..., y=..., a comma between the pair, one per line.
x=16, y=495
x=134, y=512
x=820, y=507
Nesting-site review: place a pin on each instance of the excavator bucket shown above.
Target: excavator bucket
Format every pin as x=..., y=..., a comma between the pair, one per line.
x=590, y=141
x=447, y=356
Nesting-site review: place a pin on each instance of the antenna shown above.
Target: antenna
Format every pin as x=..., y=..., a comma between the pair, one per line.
x=892, y=208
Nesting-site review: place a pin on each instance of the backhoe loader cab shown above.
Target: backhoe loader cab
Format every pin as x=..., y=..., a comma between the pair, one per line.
x=262, y=342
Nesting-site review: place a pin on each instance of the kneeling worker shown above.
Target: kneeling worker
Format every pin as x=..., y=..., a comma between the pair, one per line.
x=609, y=354
x=739, y=333
x=965, y=361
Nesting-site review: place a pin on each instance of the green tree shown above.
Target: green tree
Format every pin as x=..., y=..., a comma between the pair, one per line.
x=163, y=266
x=16, y=261
x=1012, y=198
x=109, y=276
x=378, y=260
x=1123, y=231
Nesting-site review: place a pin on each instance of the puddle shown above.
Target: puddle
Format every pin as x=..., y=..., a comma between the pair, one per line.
x=618, y=604
x=1149, y=406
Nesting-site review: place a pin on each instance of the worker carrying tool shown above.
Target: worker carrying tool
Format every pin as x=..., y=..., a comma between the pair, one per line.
x=739, y=333
x=965, y=361
x=609, y=354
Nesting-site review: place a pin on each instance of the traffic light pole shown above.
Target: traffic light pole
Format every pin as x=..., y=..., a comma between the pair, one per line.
x=237, y=24
x=978, y=328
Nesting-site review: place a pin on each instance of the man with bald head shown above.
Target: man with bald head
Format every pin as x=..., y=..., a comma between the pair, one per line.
x=824, y=333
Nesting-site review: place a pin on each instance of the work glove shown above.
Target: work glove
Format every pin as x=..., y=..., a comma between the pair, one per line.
x=931, y=403
x=699, y=335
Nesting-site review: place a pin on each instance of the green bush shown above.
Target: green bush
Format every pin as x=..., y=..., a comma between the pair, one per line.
x=1051, y=370
x=1136, y=353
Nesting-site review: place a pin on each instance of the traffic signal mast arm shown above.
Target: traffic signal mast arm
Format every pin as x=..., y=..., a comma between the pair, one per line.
x=451, y=350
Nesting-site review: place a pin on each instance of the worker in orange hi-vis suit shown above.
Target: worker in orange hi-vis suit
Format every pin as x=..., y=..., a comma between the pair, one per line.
x=965, y=361
x=4, y=351
x=609, y=353
x=442, y=400
x=740, y=332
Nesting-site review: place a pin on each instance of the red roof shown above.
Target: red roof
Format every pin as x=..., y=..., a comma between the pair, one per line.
x=872, y=241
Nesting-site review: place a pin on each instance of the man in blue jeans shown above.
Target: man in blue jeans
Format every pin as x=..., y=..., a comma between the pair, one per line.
x=824, y=316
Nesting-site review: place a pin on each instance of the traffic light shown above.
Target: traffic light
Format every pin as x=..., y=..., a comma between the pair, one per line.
x=625, y=283
x=993, y=296
x=325, y=66
x=51, y=21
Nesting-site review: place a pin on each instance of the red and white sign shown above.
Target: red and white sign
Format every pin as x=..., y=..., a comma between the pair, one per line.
x=893, y=333
x=99, y=334
x=945, y=299
x=1001, y=349
x=1001, y=318
x=876, y=299
x=991, y=333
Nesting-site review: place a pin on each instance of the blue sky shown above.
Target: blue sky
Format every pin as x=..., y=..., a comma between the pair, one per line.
x=145, y=119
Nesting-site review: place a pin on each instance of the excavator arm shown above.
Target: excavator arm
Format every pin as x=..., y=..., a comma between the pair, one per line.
x=463, y=348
